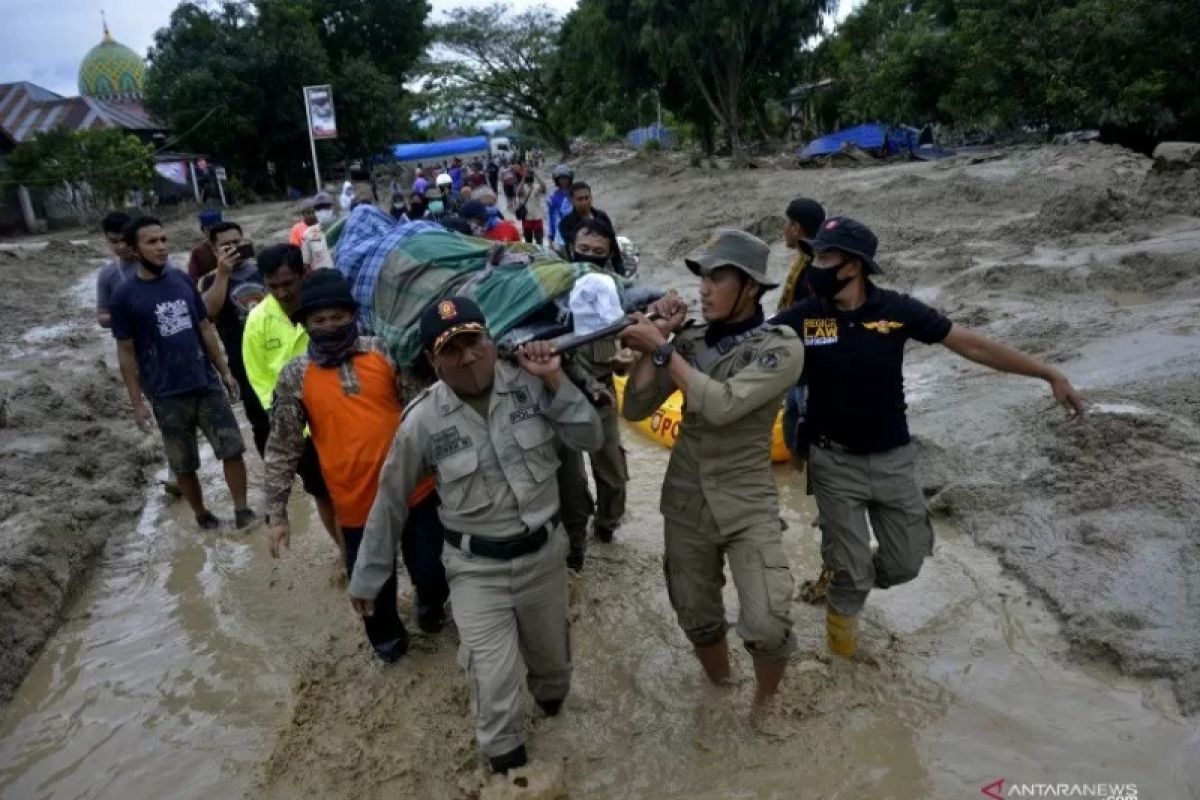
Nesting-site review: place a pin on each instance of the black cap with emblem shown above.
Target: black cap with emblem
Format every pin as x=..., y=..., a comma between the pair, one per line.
x=849, y=236
x=446, y=318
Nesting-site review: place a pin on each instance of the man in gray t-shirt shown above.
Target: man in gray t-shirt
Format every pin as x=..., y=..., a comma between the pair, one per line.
x=123, y=267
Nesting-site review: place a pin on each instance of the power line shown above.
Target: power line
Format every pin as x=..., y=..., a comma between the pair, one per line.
x=118, y=168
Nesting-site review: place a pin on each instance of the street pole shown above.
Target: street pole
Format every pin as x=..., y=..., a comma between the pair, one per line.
x=195, y=183
x=311, y=141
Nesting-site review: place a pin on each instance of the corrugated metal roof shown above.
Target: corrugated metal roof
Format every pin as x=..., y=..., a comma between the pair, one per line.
x=27, y=109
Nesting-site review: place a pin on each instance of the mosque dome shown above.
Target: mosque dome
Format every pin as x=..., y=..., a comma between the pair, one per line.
x=111, y=71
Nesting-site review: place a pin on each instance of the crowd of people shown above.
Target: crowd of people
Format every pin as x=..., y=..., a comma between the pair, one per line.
x=477, y=483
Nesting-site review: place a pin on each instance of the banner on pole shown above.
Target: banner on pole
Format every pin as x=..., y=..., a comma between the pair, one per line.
x=321, y=120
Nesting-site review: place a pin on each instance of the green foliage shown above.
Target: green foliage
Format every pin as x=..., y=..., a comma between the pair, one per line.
x=1128, y=67
x=492, y=62
x=96, y=168
x=230, y=78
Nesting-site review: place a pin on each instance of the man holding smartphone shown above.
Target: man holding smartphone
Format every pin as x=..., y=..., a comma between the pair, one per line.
x=230, y=292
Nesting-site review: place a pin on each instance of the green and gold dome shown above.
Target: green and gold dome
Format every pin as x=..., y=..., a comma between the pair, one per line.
x=111, y=71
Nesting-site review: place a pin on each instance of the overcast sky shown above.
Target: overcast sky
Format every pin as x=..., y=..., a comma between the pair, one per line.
x=43, y=41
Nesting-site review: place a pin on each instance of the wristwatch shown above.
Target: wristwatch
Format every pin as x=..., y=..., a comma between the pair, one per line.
x=662, y=354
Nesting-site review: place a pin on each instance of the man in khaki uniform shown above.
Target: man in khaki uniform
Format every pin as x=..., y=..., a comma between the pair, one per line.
x=489, y=432
x=719, y=497
x=590, y=368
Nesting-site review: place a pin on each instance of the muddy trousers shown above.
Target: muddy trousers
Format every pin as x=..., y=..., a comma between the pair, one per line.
x=881, y=488
x=421, y=549
x=612, y=475
x=258, y=417
x=385, y=631
x=694, y=557
x=505, y=609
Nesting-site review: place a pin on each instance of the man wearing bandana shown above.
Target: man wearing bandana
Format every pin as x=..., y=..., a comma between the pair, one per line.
x=347, y=392
x=490, y=433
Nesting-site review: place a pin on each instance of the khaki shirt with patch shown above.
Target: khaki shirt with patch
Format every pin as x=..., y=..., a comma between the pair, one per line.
x=496, y=477
x=722, y=456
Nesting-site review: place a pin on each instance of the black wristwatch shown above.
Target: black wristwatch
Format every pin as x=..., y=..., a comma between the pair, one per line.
x=662, y=354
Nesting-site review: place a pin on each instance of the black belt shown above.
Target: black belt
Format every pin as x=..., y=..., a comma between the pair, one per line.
x=505, y=549
x=825, y=443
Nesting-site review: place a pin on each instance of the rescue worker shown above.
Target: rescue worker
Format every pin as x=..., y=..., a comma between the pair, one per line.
x=346, y=392
x=719, y=498
x=591, y=369
x=861, y=458
x=489, y=432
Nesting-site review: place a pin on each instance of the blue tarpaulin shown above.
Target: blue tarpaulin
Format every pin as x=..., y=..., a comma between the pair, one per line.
x=420, y=151
x=639, y=136
x=872, y=136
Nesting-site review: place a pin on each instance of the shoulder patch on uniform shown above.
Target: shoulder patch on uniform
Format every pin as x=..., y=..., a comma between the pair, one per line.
x=772, y=358
x=746, y=356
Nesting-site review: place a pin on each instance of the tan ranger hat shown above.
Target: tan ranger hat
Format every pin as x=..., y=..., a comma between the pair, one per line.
x=733, y=248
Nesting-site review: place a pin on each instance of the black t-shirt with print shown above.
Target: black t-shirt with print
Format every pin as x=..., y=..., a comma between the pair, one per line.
x=853, y=365
x=244, y=293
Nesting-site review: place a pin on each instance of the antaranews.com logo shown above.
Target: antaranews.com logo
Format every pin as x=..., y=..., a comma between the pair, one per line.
x=1001, y=789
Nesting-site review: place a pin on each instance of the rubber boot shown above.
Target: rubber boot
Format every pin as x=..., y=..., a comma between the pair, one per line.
x=841, y=633
x=715, y=660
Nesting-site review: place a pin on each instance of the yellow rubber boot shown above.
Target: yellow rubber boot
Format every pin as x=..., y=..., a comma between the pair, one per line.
x=841, y=633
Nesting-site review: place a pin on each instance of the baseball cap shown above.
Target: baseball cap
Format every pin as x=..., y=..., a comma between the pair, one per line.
x=447, y=318
x=324, y=288
x=849, y=236
x=321, y=199
x=733, y=248
x=209, y=217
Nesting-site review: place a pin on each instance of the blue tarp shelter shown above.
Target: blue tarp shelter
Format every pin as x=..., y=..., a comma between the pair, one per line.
x=639, y=136
x=872, y=136
x=427, y=151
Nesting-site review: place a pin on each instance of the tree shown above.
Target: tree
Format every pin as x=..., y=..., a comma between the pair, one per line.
x=390, y=33
x=95, y=169
x=504, y=65
x=1128, y=67
x=725, y=48
x=230, y=79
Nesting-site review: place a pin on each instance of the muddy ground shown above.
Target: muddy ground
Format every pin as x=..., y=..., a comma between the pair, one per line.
x=72, y=463
x=1084, y=256
x=997, y=660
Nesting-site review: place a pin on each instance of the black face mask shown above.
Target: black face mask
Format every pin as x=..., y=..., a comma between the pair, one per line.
x=825, y=283
x=153, y=269
x=330, y=348
x=598, y=261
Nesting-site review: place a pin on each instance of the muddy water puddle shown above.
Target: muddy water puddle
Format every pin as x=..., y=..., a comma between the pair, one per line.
x=163, y=684
x=152, y=688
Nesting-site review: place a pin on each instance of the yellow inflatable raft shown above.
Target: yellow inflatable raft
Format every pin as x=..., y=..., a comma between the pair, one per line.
x=663, y=425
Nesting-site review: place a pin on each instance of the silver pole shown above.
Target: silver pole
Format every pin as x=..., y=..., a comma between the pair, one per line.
x=311, y=141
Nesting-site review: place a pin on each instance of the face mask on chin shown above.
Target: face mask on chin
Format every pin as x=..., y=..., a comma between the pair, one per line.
x=473, y=379
x=153, y=269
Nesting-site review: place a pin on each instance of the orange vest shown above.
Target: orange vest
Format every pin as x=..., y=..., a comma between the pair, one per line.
x=353, y=433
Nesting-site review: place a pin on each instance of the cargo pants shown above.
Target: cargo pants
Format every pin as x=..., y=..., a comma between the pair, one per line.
x=694, y=555
x=611, y=473
x=852, y=489
x=504, y=609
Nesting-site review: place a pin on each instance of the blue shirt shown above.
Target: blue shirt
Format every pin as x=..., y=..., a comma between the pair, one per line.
x=162, y=317
x=456, y=175
x=557, y=206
